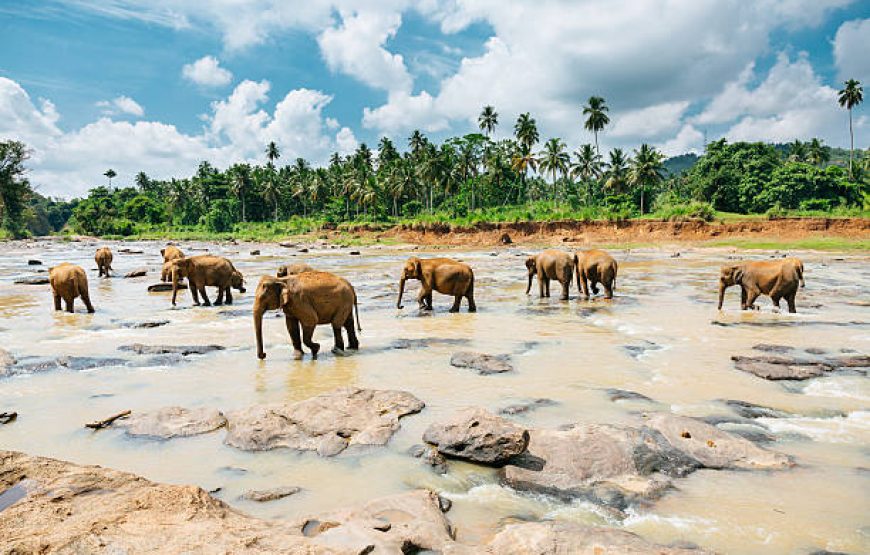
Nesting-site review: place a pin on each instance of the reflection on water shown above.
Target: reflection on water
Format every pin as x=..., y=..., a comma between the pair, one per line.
x=661, y=337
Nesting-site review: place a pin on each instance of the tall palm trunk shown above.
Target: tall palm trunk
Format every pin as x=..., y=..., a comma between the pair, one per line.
x=244, y=219
x=851, y=144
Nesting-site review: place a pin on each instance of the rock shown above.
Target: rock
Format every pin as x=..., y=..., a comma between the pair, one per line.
x=423, y=343
x=32, y=280
x=856, y=361
x=34, y=263
x=255, y=252
x=61, y=507
x=430, y=456
x=354, y=253
x=170, y=422
x=527, y=406
x=183, y=350
x=36, y=365
x=505, y=239
x=327, y=423
x=161, y=287
x=483, y=363
x=712, y=447
x=6, y=359
x=288, y=244
x=563, y=537
x=476, y=435
x=303, y=250
x=640, y=349
x=625, y=395
x=751, y=410
x=138, y=272
x=271, y=494
x=815, y=351
x=130, y=251
x=148, y=324
x=781, y=368
x=595, y=461
x=770, y=348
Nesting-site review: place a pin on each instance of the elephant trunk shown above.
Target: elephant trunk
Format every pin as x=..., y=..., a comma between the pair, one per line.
x=722, y=288
x=401, y=292
x=529, y=286
x=258, y=328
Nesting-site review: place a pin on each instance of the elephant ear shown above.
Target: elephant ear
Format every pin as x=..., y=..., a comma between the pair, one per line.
x=162, y=252
x=418, y=267
x=737, y=275
x=291, y=293
x=530, y=263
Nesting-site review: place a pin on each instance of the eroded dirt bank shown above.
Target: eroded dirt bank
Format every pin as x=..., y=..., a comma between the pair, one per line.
x=622, y=232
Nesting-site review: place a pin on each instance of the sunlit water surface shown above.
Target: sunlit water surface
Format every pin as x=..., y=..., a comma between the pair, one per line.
x=569, y=352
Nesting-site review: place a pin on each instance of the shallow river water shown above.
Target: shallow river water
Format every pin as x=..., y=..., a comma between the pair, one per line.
x=661, y=336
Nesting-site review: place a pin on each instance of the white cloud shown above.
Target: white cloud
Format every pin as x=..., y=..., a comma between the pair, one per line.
x=688, y=139
x=852, y=50
x=121, y=105
x=355, y=47
x=69, y=163
x=651, y=121
x=207, y=72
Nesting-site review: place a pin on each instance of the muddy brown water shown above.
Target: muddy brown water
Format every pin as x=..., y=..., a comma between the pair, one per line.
x=661, y=337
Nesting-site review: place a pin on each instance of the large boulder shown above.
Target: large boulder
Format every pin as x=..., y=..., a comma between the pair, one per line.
x=484, y=364
x=559, y=537
x=713, y=447
x=327, y=423
x=170, y=422
x=477, y=435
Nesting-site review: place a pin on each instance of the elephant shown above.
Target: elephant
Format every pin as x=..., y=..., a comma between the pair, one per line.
x=293, y=269
x=308, y=299
x=776, y=278
x=169, y=254
x=593, y=267
x=444, y=275
x=103, y=258
x=69, y=281
x=207, y=270
x=551, y=264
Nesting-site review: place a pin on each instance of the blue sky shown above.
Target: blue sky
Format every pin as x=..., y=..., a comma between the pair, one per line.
x=92, y=84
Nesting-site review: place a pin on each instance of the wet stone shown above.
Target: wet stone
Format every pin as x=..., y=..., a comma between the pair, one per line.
x=170, y=422
x=751, y=410
x=527, y=406
x=33, y=280
x=615, y=394
x=271, y=494
x=429, y=455
x=484, y=364
x=138, y=272
x=781, y=368
x=37, y=365
x=476, y=435
x=423, y=343
x=255, y=252
x=163, y=287
x=34, y=263
x=639, y=349
x=183, y=350
x=147, y=324
x=770, y=348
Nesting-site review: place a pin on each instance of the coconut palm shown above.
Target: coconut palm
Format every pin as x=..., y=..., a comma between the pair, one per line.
x=488, y=120
x=817, y=152
x=467, y=158
x=852, y=95
x=647, y=170
x=400, y=181
x=417, y=142
x=587, y=167
x=110, y=173
x=797, y=151
x=526, y=131
x=387, y=152
x=270, y=189
x=596, y=117
x=522, y=161
x=554, y=159
x=617, y=171
x=240, y=178
x=272, y=153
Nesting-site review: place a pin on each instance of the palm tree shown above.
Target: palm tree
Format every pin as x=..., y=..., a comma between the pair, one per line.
x=522, y=161
x=272, y=153
x=400, y=180
x=526, y=130
x=554, y=159
x=817, y=152
x=797, y=151
x=647, y=170
x=417, y=141
x=587, y=167
x=269, y=188
x=110, y=173
x=387, y=152
x=488, y=120
x=596, y=117
x=300, y=173
x=617, y=170
x=852, y=95
x=467, y=160
x=241, y=177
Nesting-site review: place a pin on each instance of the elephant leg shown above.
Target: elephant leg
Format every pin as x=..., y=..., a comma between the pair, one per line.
x=86, y=298
x=472, y=306
x=742, y=298
x=790, y=300
x=566, y=285
x=547, y=286
x=69, y=301
x=295, y=337
x=585, y=284
x=775, y=300
x=751, y=295
x=194, y=292
x=204, y=296
x=542, y=291
x=220, y=298
x=307, y=334
x=338, y=348
x=608, y=289
x=57, y=302
x=352, y=340
x=457, y=299
x=594, y=285
x=229, y=292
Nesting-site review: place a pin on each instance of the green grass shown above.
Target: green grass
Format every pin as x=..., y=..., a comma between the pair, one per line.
x=4, y=235
x=809, y=243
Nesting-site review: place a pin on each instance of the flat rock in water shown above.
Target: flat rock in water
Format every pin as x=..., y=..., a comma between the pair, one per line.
x=527, y=406
x=271, y=494
x=712, y=447
x=625, y=395
x=476, y=435
x=131, y=251
x=148, y=324
x=564, y=537
x=37, y=365
x=161, y=287
x=138, y=272
x=183, y=350
x=484, y=364
x=430, y=456
x=772, y=348
x=751, y=410
x=34, y=263
x=170, y=422
x=781, y=368
x=255, y=252
x=327, y=423
x=33, y=280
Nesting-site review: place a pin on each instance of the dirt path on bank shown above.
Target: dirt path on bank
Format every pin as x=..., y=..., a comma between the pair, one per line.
x=635, y=231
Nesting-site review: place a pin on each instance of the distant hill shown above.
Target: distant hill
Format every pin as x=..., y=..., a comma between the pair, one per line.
x=678, y=164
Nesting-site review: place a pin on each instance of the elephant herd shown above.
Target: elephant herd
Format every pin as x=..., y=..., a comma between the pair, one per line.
x=309, y=297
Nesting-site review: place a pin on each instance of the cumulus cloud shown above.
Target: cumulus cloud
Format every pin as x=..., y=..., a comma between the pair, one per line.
x=122, y=105
x=852, y=50
x=69, y=163
x=207, y=72
x=651, y=121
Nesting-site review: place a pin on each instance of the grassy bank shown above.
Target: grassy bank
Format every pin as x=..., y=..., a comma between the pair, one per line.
x=809, y=243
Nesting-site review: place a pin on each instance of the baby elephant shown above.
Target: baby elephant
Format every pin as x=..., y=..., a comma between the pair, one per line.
x=551, y=264
x=444, y=275
x=775, y=278
x=293, y=269
x=170, y=253
x=69, y=281
x=103, y=258
x=594, y=267
x=206, y=270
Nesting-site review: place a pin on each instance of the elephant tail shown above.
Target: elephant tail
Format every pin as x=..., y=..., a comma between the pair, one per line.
x=356, y=310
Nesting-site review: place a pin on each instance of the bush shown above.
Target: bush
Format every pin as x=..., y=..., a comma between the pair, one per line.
x=412, y=208
x=219, y=217
x=824, y=205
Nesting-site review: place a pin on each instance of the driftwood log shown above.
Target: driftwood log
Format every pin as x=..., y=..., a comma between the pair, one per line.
x=7, y=417
x=105, y=423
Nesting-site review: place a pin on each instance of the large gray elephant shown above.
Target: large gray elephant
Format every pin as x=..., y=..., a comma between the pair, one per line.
x=548, y=265
x=776, y=278
x=594, y=267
